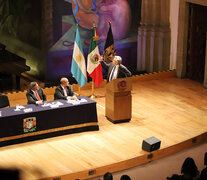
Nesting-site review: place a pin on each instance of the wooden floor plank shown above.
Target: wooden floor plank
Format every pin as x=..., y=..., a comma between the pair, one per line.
x=173, y=110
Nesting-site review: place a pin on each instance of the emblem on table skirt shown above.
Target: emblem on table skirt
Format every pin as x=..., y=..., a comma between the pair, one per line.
x=29, y=124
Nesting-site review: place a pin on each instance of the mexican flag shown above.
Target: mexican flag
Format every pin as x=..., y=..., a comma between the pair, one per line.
x=94, y=67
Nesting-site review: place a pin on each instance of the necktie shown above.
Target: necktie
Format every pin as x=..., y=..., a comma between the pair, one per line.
x=112, y=73
x=38, y=98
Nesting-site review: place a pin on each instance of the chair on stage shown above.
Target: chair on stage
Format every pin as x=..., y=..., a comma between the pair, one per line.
x=4, y=101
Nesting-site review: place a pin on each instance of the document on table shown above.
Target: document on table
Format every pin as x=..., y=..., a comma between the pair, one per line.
x=18, y=108
x=78, y=101
x=54, y=104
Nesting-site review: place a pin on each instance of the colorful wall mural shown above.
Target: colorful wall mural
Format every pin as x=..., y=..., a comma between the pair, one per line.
x=20, y=20
x=124, y=16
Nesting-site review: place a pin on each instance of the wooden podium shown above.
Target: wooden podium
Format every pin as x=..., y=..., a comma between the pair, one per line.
x=118, y=102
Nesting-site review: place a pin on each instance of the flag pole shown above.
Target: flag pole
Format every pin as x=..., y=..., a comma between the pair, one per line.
x=92, y=90
x=78, y=90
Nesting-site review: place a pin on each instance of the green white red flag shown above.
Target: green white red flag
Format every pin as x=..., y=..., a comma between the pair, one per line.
x=94, y=67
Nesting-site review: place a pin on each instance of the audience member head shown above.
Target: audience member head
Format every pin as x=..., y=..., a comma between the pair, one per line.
x=108, y=176
x=33, y=86
x=125, y=177
x=13, y=174
x=203, y=175
x=189, y=167
x=205, y=159
x=174, y=177
x=117, y=60
x=64, y=82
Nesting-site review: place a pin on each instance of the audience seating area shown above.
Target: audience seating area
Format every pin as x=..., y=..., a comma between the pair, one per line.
x=189, y=170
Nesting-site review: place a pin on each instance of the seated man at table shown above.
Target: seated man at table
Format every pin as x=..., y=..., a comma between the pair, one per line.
x=63, y=91
x=35, y=94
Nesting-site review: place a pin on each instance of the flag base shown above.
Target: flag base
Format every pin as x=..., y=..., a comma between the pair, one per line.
x=92, y=96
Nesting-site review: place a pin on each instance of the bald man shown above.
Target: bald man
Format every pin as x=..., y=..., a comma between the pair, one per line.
x=63, y=91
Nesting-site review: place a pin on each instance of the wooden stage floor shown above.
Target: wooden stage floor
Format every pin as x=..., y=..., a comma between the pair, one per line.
x=171, y=109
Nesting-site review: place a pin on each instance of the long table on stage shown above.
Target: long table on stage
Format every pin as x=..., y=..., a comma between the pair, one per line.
x=46, y=121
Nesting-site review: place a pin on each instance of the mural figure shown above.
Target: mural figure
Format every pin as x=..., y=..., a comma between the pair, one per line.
x=124, y=18
x=100, y=12
x=118, y=13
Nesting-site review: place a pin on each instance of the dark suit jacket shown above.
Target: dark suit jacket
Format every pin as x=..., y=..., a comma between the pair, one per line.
x=59, y=93
x=123, y=72
x=31, y=97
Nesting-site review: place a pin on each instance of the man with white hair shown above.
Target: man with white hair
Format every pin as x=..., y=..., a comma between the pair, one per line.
x=115, y=69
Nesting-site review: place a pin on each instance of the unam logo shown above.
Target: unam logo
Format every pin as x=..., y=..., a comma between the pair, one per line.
x=94, y=58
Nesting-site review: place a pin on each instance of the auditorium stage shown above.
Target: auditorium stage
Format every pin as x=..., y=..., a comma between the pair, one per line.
x=171, y=109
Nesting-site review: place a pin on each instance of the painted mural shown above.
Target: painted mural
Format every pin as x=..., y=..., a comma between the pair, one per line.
x=124, y=16
x=20, y=20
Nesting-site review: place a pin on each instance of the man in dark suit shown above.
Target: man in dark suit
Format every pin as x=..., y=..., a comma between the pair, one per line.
x=115, y=69
x=35, y=95
x=63, y=91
